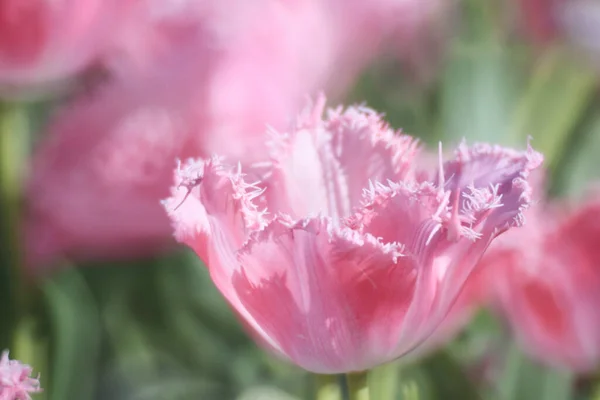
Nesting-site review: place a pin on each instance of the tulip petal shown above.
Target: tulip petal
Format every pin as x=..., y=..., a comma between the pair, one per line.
x=341, y=296
x=315, y=166
x=482, y=165
x=187, y=213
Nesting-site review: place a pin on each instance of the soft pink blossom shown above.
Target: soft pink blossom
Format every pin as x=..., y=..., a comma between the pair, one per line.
x=97, y=176
x=16, y=382
x=107, y=161
x=545, y=278
x=43, y=42
x=333, y=254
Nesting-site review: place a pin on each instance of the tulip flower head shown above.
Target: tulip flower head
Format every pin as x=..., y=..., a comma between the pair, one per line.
x=15, y=380
x=334, y=253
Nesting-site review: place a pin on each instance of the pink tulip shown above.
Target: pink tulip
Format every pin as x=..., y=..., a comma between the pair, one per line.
x=43, y=42
x=15, y=380
x=333, y=254
x=546, y=278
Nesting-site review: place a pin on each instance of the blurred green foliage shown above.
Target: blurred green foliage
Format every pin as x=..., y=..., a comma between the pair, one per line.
x=158, y=329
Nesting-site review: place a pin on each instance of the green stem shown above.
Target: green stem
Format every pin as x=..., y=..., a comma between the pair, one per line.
x=592, y=386
x=595, y=395
x=557, y=384
x=13, y=156
x=358, y=387
x=383, y=381
x=327, y=387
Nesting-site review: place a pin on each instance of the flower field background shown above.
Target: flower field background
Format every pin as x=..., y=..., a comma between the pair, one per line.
x=109, y=312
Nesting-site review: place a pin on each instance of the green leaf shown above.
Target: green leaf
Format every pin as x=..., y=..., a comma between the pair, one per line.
x=580, y=165
x=524, y=379
x=76, y=328
x=447, y=378
x=478, y=93
x=14, y=151
x=387, y=88
x=176, y=388
x=557, y=95
x=384, y=381
x=479, y=85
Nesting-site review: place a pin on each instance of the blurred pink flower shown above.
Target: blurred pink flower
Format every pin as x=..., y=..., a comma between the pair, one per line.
x=333, y=254
x=573, y=21
x=192, y=78
x=99, y=176
x=579, y=20
x=43, y=42
x=339, y=36
x=539, y=19
x=15, y=380
x=545, y=277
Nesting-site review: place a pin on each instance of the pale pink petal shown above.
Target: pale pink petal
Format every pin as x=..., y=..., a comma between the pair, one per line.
x=221, y=196
x=408, y=214
x=189, y=218
x=341, y=297
x=217, y=221
x=448, y=237
x=484, y=166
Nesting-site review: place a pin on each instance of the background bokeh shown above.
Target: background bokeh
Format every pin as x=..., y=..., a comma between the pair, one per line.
x=156, y=328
